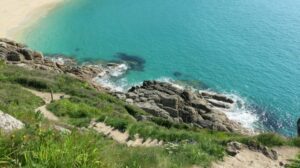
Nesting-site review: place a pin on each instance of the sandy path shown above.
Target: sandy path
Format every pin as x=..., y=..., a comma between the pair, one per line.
x=16, y=15
x=123, y=137
x=47, y=99
x=120, y=137
x=247, y=158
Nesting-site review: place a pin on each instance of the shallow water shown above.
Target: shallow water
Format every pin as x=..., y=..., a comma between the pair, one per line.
x=247, y=47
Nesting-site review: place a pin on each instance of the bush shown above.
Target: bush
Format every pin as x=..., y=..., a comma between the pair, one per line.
x=80, y=122
x=36, y=83
x=67, y=108
x=117, y=123
x=296, y=141
x=169, y=124
x=271, y=139
x=134, y=111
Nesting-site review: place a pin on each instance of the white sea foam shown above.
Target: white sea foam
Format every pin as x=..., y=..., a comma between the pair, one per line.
x=118, y=70
x=241, y=112
x=118, y=86
x=112, y=78
x=170, y=81
x=58, y=60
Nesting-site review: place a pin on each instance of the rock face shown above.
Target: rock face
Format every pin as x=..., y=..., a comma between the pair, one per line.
x=18, y=54
x=270, y=153
x=9, y=123
x=183, y=106
x=233, y=148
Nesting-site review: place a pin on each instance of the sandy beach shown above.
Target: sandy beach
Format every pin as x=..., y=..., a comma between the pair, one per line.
x=16, y=15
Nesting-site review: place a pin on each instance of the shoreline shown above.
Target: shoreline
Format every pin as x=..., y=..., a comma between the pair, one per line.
x=16, y=16
x=161, y=99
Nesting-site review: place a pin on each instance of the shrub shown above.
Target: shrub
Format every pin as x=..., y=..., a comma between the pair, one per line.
x=169, y=124
x=118, y=123
x=296, y=141
x=271, y=139
x=39, y=84
x=80, y=122
x=134, y=111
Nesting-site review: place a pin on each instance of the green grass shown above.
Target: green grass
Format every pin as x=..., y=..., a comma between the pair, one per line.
x=38, y=145
x=295, y=163
x=18, y=102
x=40, y=80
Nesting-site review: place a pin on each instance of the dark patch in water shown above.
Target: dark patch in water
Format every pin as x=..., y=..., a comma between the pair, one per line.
x=77, y=49
x=177, y=74
x=135, y=62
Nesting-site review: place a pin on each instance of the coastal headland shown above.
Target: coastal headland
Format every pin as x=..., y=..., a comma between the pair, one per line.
x=55, y=113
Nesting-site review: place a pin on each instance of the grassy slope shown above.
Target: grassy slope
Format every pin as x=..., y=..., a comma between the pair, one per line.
x=40, y=146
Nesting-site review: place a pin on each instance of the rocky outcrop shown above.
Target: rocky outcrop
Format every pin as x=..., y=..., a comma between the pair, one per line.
x=233, y=148
x=9, y=123
x=164, y=100
x=270, y=153
x=18, y=54
x=204, y=110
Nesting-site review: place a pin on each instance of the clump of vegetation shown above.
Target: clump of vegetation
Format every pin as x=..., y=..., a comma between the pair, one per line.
x=295, y=163
x=271, y=139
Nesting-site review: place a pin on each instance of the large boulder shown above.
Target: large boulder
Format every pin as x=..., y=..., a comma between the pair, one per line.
x=9, y=123
x=14, y=56
x=28, y=54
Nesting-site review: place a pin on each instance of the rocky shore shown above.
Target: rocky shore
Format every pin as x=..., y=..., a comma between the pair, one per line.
x=203, y=110
x=19, y=54
x=164, y=100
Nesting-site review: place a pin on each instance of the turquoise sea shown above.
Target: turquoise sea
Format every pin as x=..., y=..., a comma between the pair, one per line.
x=250, y=48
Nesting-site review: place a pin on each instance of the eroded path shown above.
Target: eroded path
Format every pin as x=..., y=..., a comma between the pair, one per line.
x=123, y=137
x=247, y=158
x=46, y=96
x=100, y=127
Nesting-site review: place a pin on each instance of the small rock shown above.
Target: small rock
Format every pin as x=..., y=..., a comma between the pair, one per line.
x=132, y=95
x=281, y=164
x=272, y=154
x=38, y=55
x=130, y=101
x=3, y=45
x=233, y=148
x=9, y=123
x=187, y=95
x=143, y=99
x=62, y=129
